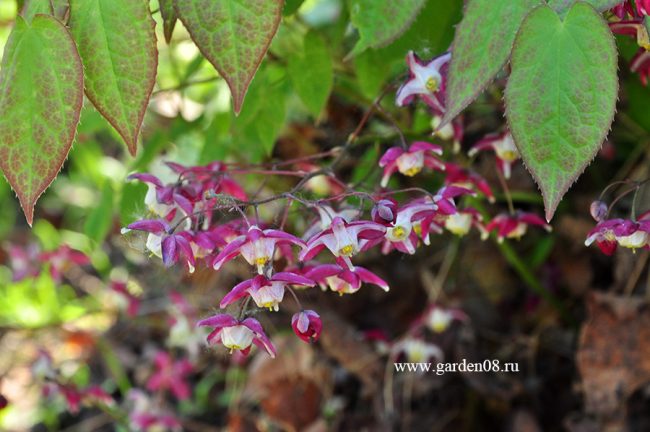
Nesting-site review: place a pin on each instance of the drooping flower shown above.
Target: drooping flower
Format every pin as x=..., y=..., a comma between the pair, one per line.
x=503, y=146
x=455, y=175
x=403, y=234
x=343, y=280
x=265, y=292
x=307, y=325
x=460, y=222
x=257, y=247
x=326, y=215
x=418, y=351
x=610, y=233
x=598, y=210
x=237, y=335
x=410, y=162
x=438, y=318
x=452, y=131
x=170, y=375
x=636, y=26
x=515, y=226
x=445, y=196
x=384, y=211
x=427, y=80
x=165, y=243
x=342, y=239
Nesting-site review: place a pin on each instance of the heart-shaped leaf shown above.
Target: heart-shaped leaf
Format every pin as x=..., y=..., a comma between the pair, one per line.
x=481, y=47
x=41, y=95
x=117, y=44
x=561, y=95
x=168, y=13
x=381, y=21
x=233, y=35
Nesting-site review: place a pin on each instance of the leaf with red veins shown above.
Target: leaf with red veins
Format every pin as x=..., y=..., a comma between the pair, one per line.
x=117, y=44
x=41, y=95
x=233, y=35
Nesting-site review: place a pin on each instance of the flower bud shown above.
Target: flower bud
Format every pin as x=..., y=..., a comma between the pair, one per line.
x=598, y=210
x=307, y=325
x=384, y=211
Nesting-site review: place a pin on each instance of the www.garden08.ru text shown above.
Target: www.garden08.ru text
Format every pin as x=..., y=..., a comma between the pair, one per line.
x=462, y=366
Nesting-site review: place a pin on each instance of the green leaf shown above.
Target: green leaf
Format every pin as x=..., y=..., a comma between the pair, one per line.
x=312, y=74
x=117, y=44
x=481, y=47
x=561, y=95
x=233, y=35
x=291, y=7
x=100, y=219
x=563, y=6
x=41, y=95
x=380, y=22
x=168, y=13
x=60, y=8
x=33, y=7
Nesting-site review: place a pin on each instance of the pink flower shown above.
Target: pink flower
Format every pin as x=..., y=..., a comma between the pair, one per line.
x=132, y=302
x=458, y=176
x=452, y=131
x=504, y=147
x=444, y=198
x=307, y=325
x=342, y=239
x=265, y=292
x=384, y=212
x=515, y=226
x=427, y=80
x=164, y=243
x=237, y=335
x=170, y=375
x=343, y=280
x=256, y=246
x=438, y=318
x=403, y=235
x=610, y=233
x=410, y=162
x=326, y=215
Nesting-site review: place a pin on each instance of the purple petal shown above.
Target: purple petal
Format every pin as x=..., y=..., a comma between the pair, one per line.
x=154, y=226
x=369, y=277
x=324, y=271
x=240, y=290
x=146, y=178
x=169, y=251
x=390, y=156
x=293, y=279
x=218, y=321
x=229, y=252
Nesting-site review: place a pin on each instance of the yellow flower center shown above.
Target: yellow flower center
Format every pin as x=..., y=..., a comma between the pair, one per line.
x=432, y=84
x=346, y=250
x=412, y=171
x=509, y=155
x=261, y=261
x=399, y=232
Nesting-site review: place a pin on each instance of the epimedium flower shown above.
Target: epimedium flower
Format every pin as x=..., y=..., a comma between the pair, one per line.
x=503, y=146
x=438, y=318
x=610, y=233
x=417, y=350
x=427, y=80
x=344, y=280
x=452, y=131
x=307, y=325
x=403, y=234
x=444, y=198
x=410, y=162
x=237, y=334
x=456, y=175
x=462, y=221
x=257, y=247
x=326, y=215
x=170, y=375
x=640, y=64
x=165, y=243
x=515, y=225
x=265, y=292
x=342, y=239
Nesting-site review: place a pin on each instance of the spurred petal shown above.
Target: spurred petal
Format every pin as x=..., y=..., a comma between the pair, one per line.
x=218, y=321
x=154, y=226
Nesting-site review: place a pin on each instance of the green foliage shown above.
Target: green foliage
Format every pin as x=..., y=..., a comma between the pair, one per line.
x=481, y=47
x=561, y=96
x=169, y=16
x=563, y=6
x=33, y=7
x=233, y=35
x=117, y=45
x=311, y=73
x=381, y=21
x=41, y=96
x=99, y=220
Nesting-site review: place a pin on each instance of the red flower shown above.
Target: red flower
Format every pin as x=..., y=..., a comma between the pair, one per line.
x=307, y=325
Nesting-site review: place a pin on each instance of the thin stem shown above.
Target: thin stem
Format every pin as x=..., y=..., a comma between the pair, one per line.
x=295, y=297
x=506, y=192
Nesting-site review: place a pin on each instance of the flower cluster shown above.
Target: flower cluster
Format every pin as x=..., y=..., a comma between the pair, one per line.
x=633, y=21
x=608, y=234
x=191, y=222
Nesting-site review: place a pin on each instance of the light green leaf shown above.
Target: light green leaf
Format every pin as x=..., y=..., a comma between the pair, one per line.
x=561, y=95
x=481, y=47
x=117, y=44
x=233, y=35
x=312, y=74
x=381, y=21
x=100, y=219
x=41, y=95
